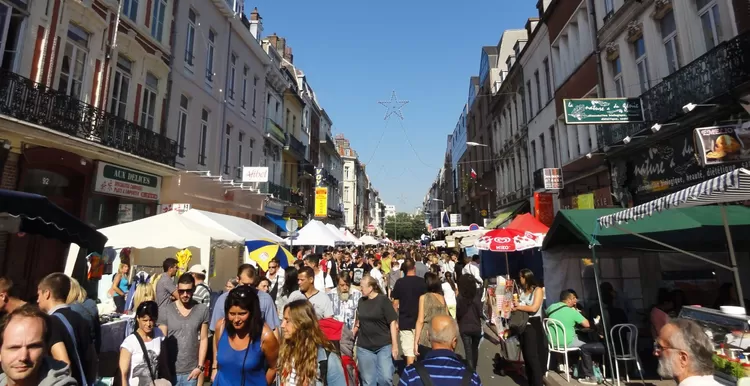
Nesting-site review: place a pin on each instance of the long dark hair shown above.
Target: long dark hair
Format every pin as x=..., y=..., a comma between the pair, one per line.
x=433, y=282
x=290, y=281
x=246, y=298
x=467, y=287
x=529, y=278
x=449, y=280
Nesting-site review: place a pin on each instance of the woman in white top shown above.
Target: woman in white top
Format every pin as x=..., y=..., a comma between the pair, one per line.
x=134, y=366
x=449, y=293
x=533, y=339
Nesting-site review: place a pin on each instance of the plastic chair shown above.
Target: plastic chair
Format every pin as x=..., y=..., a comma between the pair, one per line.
x=625, y=344
x=555, y=325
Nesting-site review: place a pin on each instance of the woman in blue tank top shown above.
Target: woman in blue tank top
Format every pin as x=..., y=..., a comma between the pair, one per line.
x=245, y=349
x=120, y=287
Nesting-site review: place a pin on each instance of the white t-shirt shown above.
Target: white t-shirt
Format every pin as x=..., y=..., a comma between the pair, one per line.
x=449, y=295
x=139, y=374
x=323, y=281
x=378, y=276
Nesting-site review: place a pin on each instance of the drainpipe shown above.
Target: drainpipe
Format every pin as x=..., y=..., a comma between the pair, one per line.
x=595, y=41
x=168, y=96
x=224, y=100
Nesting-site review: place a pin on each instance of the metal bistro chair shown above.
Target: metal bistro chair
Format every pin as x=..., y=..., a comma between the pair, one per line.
x=555, y=325
x=625, y=345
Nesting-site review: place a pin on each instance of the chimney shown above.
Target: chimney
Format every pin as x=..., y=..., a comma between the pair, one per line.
x=256, y=24
x=288, y=54
x=273, y=40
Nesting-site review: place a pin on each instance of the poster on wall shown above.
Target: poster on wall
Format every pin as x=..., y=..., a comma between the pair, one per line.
x=124, y=213
x=718, y=145
x=321, y=202
x=544, y=209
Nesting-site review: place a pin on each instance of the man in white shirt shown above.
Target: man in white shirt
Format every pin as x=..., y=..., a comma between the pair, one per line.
x=473, y=270
x=275, y=275
x=685, y=353
x=377, y=274
x=323, y=281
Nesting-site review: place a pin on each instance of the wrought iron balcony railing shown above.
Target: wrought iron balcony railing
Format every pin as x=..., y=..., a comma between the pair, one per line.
x=274, y=131
x=295, y=145
x=23, y=99
x=717, y=72
x=282, y=193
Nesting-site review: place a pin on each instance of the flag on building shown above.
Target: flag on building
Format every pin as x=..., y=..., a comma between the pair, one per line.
x=473, y=174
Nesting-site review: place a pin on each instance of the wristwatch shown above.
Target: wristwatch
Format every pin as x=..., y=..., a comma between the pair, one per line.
x=201, y=368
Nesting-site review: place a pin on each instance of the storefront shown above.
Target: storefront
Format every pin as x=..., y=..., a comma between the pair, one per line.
x=121, y=195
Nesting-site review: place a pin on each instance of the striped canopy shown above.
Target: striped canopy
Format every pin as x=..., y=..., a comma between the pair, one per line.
x=731, y=187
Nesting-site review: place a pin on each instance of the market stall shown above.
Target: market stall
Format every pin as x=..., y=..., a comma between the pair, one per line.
x=338, y=233
x=237, y=225
x=315, y=233
x=368, y=240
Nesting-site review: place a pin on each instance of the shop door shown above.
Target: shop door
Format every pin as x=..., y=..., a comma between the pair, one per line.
x=32, y=257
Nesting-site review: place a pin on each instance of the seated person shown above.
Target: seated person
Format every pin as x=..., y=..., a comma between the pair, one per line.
x=566, y=313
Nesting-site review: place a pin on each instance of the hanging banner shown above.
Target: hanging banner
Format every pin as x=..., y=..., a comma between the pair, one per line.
x=585, y=201
x=321, y=202
x=319, y=178
x=544, y=208
x=722, y=144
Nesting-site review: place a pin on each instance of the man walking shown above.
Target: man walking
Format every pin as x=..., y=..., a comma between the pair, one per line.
x=187, y=334
x=307, y=291
x=166, y=291
x=406, y=295
x=23, y=351
x=441, y=366
x=275, y=275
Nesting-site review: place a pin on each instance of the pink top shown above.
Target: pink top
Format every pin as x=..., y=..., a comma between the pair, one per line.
x=658, y=319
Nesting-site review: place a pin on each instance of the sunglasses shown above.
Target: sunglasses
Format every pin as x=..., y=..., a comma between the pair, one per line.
x=273, y=266
x=185, y=291
x=241, y=292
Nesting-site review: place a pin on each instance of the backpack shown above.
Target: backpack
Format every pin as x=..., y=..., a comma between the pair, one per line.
x=334, y=330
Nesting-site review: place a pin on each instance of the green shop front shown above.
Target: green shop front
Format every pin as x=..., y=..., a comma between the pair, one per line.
x=121, y=194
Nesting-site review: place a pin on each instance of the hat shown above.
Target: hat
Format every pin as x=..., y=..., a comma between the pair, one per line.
x=198, y=269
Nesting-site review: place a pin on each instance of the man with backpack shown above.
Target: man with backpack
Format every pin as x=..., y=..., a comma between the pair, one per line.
x=441, y=366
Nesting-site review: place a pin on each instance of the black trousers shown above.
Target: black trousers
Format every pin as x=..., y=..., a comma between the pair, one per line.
x=471, y=348
x=119, y=303
x=587, y=350
x=534, y=349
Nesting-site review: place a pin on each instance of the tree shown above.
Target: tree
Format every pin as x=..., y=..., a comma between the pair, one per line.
x=404, y=226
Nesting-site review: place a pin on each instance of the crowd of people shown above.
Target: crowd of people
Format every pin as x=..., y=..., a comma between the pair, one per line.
x=340, y=318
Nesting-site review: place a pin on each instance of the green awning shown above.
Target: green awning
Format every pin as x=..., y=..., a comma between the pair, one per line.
x=505, y=216
x=692, y=229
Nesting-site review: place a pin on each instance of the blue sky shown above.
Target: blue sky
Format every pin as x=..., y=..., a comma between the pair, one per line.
x=356, y=52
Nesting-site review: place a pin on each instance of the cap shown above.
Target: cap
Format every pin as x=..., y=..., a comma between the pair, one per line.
x=198, y=269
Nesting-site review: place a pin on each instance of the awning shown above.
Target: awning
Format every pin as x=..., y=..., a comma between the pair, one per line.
x=40, y=216
x=692, y=228
x=278, y=220
x=506, y=215
x=237, y=225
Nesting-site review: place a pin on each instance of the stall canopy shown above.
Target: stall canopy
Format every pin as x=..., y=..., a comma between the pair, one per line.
x=352, y=238
x=316, y=233
x=237, y=225
x=692, y=228
x=338, y=233
x=39, y=216
x=278, y=220
x=368, y=240
x=504, y=216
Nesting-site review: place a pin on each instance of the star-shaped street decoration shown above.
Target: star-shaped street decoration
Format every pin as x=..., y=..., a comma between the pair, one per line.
x=393, y=106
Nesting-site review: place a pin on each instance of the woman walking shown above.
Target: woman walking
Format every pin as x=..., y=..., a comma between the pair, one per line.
x=306, y=349
x=449, y=293
x=245, y=348
x=290, y=285
x=469, y=318
x=377, y=329
x=431, y=304
x=533, y=339
x=139, y=366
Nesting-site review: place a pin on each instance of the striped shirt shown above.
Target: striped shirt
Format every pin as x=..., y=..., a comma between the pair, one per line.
x=202, y=294
x=444, y=368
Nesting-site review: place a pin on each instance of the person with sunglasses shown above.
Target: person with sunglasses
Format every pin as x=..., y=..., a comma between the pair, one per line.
x=245, y=348
x=187, y=334
x=143, y=356
x=246, y=276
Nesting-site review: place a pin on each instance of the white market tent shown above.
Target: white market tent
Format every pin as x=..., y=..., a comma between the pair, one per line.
x=368, y=240
x=337, y=232
x=316, y=233
x=349, y=236
x=237, y=225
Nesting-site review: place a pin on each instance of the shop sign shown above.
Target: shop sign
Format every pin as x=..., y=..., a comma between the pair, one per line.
x=600, y=198
x=671, y=165
x=254, y=174
x=585, y=201
x=124, y=182
x=548, y=179
x=718, y=145
x=319, y=178
x=321, y=202
x=544, y=209
x=602, y=111
x=455, y=219
x=181, y=208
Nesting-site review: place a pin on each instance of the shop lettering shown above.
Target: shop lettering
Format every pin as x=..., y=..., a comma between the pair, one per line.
x=132, y=177
x=648, y=169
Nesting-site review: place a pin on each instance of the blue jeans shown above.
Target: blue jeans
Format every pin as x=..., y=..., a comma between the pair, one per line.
x=375, y=367
x=182, y=380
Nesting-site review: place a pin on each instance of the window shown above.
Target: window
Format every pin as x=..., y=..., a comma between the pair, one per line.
x=252, y=146
x=227, y=139
x=346, y=172
x=641, y=62
x=118, y=104
x=190, y=40
x=609, y=6
x=255, y=92
x=11, y=26
x=533, y=154
x=346, y=194
x=203, y=137
x=543, y=149
x=244, y=86
x=708, y=11
x=240, y=139
x=617, y=71
x=232, y=75
x=531, y=103
x=553, y=143
x=74, y=62
x=538, y=91
x=548, y=79
x=157, y=22
x=182, y=124
x=210, y=56
x=148, y=106
x=669, y=38
x=523, y=104
x=130, y=9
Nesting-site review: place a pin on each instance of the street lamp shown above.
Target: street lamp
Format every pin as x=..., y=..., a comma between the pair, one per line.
x=475, y=144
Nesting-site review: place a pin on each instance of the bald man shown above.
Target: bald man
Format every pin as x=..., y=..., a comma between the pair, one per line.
x=440, y=366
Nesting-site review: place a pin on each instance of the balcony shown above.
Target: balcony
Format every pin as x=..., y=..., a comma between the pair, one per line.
x=282, y=193
x=716, y=73
x=295, y=146
x=328, y=141
x=35, y=103
x=335, y=213
x=307, y=170
x=273, y=131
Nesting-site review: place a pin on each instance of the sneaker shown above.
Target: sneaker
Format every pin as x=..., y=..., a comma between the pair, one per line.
x=588, y=380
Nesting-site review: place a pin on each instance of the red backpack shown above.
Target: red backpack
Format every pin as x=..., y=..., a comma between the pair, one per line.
x=333, y=330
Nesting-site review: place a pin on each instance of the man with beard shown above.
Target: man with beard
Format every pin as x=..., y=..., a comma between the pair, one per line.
x=685, y=353
x=345, y=300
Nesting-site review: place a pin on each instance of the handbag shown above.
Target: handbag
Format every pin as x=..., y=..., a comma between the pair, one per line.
x=156, y=381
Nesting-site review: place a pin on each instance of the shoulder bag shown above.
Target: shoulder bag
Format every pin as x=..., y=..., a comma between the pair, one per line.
x=77, y=359
x=156, y=381
x=424, y=375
